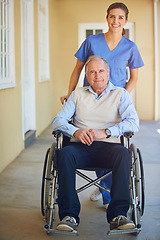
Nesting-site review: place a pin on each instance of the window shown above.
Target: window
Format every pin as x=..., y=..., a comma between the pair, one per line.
x=43, y=40
x=93, y=31
x=7, y=56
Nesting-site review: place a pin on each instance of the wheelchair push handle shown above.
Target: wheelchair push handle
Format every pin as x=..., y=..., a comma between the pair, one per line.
x=128, y=134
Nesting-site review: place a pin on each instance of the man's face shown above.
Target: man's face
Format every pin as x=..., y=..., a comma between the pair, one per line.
x=97, y=75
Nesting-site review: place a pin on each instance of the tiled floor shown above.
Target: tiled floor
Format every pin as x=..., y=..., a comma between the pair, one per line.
x=20, y=185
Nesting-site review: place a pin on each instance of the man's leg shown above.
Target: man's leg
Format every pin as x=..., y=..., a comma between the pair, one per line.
x=117, y=158
x=99, y=154
x=120, y=197
x=69, y=158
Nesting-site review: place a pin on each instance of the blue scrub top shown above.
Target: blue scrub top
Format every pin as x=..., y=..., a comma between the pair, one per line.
x=126, y=52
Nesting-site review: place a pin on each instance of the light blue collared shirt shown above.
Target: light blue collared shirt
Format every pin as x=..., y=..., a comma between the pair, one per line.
x=130, y=121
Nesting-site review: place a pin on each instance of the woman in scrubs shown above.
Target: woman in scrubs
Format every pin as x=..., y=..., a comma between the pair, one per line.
x=118, y=51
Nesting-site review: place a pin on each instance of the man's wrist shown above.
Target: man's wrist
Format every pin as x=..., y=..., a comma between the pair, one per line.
x=108, y=133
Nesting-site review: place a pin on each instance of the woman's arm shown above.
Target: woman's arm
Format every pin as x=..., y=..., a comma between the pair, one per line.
x=133, y=80
x=73, y=80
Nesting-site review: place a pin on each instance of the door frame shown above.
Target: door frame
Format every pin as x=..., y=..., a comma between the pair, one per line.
x=32, y=108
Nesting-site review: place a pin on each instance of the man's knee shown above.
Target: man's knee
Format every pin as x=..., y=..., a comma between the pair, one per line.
x=121, y=156
x=65, y=156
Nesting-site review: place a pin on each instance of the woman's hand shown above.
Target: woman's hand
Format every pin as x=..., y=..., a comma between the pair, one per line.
x=64, y=98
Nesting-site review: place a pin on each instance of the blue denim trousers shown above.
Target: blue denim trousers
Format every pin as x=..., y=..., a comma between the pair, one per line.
x=99, y=155
x=106, y=182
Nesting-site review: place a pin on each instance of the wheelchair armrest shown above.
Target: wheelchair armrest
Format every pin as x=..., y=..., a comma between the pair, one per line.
x=57, y=133
x=128, y=134
x=62, y=140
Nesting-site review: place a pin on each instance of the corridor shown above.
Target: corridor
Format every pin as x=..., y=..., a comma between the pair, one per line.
x=20, y=189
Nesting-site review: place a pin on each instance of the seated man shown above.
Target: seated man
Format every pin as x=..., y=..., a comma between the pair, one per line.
x=100, y=113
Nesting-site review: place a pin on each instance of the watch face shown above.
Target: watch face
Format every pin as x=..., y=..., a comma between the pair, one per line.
x=108, y=132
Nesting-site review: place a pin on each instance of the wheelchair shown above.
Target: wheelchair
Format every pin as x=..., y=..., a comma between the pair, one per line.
x=49, y=189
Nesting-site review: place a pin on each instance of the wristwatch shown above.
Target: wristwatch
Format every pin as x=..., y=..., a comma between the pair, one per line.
x=108, y=132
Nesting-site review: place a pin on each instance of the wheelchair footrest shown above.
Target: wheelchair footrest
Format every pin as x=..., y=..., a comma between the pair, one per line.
x=49, y=230
x=114, y=232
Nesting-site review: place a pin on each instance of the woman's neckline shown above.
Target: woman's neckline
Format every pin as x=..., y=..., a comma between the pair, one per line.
x=111, y=43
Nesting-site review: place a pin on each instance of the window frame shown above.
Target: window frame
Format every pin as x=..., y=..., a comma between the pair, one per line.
x=43, y=40
x=7, y=48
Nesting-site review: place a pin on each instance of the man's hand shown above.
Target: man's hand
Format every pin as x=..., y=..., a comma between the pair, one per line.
x=98, y=133
x=88, y=136
x=85, y=136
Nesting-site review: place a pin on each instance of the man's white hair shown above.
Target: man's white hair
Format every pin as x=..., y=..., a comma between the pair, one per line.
x=95, y=57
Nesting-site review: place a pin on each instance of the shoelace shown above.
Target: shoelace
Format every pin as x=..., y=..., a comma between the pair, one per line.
x=71, y=219
x=118, y=218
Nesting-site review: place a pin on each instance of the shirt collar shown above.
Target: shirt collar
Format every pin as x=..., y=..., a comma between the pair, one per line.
x=109, y=87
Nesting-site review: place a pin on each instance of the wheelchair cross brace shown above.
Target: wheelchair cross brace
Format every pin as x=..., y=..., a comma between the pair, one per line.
x=92, y=182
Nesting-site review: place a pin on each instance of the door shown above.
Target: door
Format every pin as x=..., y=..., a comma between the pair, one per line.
x=27, y=64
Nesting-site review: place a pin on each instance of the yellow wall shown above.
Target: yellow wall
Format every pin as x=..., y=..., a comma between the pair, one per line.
x=44, y=90
x=11, y=133
x=11, y=142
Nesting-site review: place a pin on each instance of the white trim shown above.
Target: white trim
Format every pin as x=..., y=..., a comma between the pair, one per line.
x=9, y=81
x=156, y=58
x=43, y=40
x=28, y=64
x=7, y=85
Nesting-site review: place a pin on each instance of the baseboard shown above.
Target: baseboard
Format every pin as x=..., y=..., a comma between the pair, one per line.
x=30, y=136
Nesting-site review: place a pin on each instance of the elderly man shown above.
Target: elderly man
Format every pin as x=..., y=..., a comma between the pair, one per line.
x=100, y=114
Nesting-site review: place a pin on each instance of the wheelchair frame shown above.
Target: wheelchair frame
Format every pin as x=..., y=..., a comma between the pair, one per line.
x=50, y=185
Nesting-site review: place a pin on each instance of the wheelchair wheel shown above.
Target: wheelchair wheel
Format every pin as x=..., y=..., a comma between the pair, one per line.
x=49, y=187
x=136, y=186
x=43, y=182
x=142, y=181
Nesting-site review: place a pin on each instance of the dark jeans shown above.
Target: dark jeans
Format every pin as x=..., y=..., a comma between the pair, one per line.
x=99, y=155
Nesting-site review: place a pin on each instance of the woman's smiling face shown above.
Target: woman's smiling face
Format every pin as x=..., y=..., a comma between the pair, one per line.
x=116, y=20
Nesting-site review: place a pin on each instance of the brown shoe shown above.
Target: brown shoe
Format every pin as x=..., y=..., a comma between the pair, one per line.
x=67, y=224
x=121, y=222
